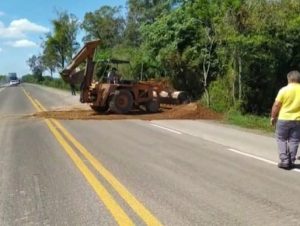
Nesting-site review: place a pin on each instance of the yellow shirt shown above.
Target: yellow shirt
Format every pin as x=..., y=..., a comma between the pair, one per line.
x=289, y=97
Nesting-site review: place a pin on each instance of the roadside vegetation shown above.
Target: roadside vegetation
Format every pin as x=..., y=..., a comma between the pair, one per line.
x=232, y=55
x=3, y=79
x=47, y=81
x=249, y=121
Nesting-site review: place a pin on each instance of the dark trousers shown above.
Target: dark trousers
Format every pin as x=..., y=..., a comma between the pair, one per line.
x=73, y=89
x=288, y=138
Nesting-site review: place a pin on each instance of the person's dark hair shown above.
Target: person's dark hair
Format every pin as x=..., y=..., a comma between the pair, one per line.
x=293, y=76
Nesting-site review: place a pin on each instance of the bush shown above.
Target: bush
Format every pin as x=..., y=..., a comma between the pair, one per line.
x=220, y=96
x=29, y=78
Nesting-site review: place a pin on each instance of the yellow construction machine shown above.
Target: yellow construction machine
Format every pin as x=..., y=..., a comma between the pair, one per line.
x=120, y=97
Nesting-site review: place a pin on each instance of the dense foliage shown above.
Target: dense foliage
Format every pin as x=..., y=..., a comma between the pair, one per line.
x=230, y=54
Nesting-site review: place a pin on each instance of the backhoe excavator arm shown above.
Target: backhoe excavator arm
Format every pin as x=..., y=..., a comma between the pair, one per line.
x=86, y=53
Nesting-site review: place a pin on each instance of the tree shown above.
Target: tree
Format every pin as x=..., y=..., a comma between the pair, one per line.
x=60, y=46
x=105, y=24
x=140, y=12
x=50, y=57
x=184, y=41
x=36, y=66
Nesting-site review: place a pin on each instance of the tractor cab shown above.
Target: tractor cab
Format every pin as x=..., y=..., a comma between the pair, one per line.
x=110, y=68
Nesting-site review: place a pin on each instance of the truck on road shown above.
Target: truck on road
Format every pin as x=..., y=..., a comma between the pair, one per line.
x=13, y=79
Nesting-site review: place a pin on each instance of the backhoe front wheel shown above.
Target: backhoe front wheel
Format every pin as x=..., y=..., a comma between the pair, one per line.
x=100, y=109
x=121, y=102
x=152, y=106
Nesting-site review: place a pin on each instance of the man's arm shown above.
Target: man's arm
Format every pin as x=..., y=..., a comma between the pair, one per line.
x=275, y=111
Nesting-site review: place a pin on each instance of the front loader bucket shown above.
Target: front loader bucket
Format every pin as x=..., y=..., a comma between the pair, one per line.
x=174, y=97
x=181, y=97
x=167, y=94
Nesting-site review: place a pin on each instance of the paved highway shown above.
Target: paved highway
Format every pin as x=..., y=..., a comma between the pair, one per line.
x=132, y=172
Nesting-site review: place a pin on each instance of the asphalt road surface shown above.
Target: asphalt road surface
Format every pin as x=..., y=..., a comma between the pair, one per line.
x=132, y=172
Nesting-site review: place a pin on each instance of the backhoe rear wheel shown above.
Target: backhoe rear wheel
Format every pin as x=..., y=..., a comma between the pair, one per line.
x=121, y=102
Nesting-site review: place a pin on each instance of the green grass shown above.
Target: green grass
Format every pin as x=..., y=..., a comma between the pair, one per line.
x=249, y=121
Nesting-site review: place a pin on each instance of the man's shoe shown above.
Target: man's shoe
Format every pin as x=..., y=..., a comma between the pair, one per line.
x=284, y=165
x=292, y=165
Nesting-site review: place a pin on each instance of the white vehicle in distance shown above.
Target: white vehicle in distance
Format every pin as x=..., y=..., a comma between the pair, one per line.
x=14, y=82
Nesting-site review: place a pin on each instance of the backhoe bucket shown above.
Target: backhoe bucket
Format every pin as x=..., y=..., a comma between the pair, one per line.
x=86, y=53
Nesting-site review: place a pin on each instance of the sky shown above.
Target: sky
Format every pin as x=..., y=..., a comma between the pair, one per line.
x=23, y=24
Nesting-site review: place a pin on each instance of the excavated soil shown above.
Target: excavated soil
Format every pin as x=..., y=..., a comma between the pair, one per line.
x=189, y=111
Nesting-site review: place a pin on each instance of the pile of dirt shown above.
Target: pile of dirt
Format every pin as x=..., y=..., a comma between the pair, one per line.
x=189, y=111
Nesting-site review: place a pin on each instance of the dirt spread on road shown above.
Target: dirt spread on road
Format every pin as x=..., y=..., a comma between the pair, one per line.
x=189, y=111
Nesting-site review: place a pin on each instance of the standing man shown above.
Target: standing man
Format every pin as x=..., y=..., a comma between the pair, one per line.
x=286, y=115
x=73, y=88
x=113, y=76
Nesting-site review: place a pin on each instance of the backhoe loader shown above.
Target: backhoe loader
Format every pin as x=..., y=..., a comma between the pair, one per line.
x=120, y=97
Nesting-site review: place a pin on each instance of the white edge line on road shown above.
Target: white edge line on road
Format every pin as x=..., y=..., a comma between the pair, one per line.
x=257, y=158
x=229, y=149
x=252, y=156
x=165, y=128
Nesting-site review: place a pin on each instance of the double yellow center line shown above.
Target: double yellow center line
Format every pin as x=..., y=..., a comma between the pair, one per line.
x=64, y=137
